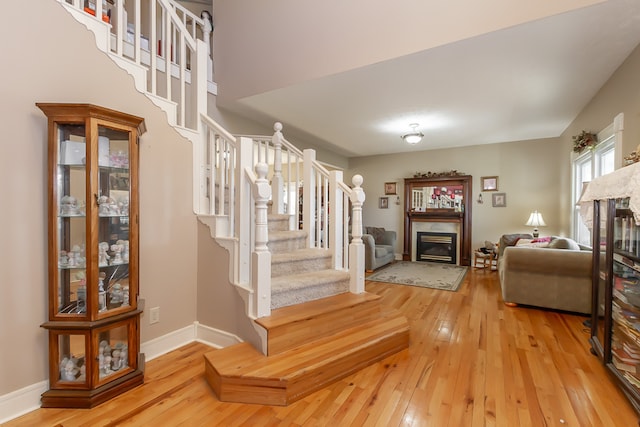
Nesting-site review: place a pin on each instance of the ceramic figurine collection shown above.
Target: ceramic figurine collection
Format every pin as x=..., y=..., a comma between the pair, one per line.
x=110, y=358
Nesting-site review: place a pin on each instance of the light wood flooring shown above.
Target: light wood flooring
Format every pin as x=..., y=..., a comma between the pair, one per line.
x=472, y=361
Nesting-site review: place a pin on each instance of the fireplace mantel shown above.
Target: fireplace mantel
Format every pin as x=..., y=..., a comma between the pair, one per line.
x=459, y=213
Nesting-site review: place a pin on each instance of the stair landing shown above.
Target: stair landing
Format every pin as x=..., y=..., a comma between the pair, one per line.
x=311, y=346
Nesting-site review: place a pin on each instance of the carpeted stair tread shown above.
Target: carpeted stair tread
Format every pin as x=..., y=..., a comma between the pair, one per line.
x=278, y=236
x=278, y=222
x=286, y=241
x=300, y=255
x=302, y=287
x=307, y=279
x=300, y=261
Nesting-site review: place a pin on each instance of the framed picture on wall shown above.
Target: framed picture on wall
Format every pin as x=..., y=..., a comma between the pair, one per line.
x=499, y=200
x=390, y=188
x=383, y=203
x=489, y=183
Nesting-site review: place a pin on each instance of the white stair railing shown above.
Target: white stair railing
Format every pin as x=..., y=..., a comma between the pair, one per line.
x=170, y=61
x=171, y=64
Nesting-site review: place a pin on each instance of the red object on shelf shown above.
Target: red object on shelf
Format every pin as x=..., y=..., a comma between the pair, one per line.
x=105, y=17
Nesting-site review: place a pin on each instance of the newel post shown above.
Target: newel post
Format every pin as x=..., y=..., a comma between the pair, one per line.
x=261, y=257
x=356, y=247
x=207, y=28
x=277, y=185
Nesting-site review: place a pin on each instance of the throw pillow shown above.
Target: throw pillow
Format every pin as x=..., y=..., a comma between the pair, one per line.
x=532, y=243
x=542, y=239
x=377, y=233
x=523, y=242
x=564, y=243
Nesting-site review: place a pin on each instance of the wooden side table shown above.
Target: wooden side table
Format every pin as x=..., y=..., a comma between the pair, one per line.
x=485, y=260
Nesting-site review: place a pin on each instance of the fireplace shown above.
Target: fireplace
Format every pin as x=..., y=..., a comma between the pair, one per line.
x=438, y=203
x=436, y=247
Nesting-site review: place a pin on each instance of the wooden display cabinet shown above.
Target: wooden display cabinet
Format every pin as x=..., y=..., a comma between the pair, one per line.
x=615, y=316
x=94, y=313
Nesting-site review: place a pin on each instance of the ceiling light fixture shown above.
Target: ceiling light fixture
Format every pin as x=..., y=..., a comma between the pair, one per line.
x=413, y=137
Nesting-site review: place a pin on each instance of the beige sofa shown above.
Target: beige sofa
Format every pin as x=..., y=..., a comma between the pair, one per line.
x=556, y=277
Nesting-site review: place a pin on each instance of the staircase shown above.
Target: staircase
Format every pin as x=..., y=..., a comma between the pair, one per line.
x=310, y=346
x=298, y=273
x=302, y=281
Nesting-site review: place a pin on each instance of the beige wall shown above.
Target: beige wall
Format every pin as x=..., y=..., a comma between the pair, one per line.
x=41, y=71
x=528, y=173
x=621, y=94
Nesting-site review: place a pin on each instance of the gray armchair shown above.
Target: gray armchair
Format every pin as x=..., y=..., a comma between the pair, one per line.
x=379, y=247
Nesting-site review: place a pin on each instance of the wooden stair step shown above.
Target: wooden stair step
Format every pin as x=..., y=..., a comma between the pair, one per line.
x=289, y=376
x=298, y=324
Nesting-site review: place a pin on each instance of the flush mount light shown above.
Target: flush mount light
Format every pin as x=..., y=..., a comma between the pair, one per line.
x=413, y=137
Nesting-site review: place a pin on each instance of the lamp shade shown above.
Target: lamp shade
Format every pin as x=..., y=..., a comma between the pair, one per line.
x=535, y=220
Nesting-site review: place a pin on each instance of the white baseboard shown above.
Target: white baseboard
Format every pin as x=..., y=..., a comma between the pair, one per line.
x=19, y=402
x=27, y=399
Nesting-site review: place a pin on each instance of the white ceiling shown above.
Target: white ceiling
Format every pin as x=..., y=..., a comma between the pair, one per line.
x=520, y=83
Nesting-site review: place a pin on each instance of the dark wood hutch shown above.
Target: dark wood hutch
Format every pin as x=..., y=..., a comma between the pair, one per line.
x=438, y=198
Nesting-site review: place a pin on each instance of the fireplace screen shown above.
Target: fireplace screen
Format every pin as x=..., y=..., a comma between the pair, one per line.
x=436, y=247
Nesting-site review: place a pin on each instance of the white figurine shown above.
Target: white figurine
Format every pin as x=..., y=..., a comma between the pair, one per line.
x=102, y=295
x=113, y=207
x=117, y=254
x=125, y=249
x=115, y=361
x=116, y=294
x=70, y=370
x=69, y=205
x=103, y=205
x=63, y=259
x=103, y=256
x=125, y=295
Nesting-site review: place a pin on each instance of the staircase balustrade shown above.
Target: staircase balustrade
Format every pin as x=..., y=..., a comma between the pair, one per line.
x=235, y=177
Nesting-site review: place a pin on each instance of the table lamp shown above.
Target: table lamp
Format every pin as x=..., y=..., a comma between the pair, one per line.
x=535, y=220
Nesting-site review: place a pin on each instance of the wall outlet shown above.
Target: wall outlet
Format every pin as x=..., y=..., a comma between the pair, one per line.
x=154, y=315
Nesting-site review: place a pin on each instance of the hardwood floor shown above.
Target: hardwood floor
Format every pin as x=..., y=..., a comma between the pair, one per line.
x=472, y=361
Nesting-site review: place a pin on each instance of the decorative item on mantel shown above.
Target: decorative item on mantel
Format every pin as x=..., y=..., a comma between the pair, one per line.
x=438, y=174
x=584, y=140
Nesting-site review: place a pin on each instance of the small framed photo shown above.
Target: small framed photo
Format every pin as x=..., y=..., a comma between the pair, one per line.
x=489, y=183
x=383, y=203
x=390, y=188
x=499, y=200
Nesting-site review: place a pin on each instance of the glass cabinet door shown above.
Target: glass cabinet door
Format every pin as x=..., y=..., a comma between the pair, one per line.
x=71, y=177
x=625, y=331
x=112, y=351
x=114, y=195
x=71, y=366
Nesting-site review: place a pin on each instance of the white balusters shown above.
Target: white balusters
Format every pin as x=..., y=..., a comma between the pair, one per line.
x=261, y=193
x=277, y=181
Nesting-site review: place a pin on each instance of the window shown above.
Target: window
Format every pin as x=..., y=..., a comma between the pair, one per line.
x=591, y=164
